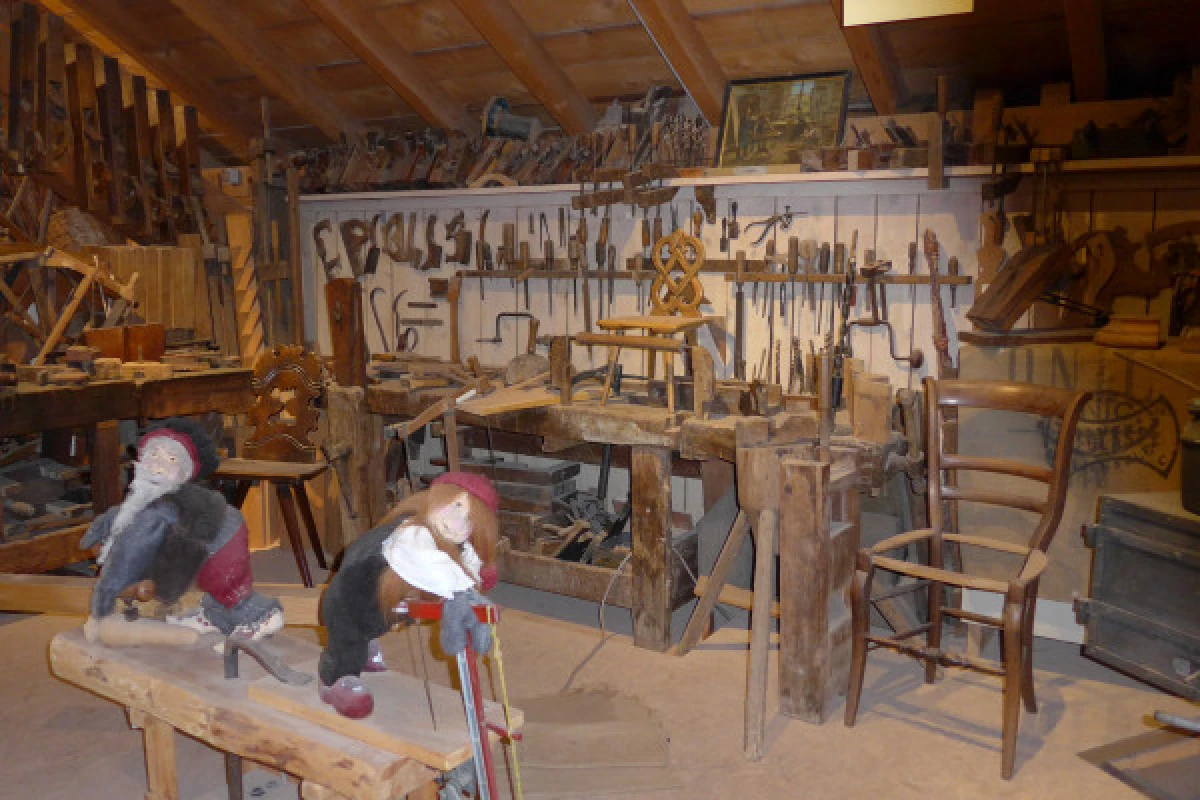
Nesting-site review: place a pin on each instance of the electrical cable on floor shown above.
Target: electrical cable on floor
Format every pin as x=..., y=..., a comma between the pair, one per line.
x=604, y=634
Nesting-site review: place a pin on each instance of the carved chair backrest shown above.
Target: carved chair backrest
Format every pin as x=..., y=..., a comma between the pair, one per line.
x=945, y=397
x=287, y=383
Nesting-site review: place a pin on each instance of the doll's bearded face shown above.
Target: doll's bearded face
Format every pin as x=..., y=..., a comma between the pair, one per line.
x=166, y=460
x=452, y=520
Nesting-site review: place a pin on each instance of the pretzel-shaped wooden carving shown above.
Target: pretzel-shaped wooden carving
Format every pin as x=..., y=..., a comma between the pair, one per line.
x=670, y=296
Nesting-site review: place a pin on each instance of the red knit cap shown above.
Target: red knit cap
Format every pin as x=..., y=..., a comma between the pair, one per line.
x=478, y=486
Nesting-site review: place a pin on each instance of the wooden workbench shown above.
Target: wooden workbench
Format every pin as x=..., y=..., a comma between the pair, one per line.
x=99, y=406
x=168, y=689
x=655, y=585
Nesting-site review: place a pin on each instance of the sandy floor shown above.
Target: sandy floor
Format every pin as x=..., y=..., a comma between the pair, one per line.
x=912, y=740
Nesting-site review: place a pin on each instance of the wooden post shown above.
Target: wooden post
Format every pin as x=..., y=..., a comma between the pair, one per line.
x=804, y=568
x=106, y=465
x=765, y=529
x=353, y=425
x=343, y=300
x=650, y=476
x=295, y=261
x=161, y=778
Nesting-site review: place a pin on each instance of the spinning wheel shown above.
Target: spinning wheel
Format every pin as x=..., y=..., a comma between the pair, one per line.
x=36, y=290
x=683, y=295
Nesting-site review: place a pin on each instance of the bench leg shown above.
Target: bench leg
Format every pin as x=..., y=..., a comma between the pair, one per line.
x=301, y=493
x=160, y=755
x=288, y=506
x=233, y=776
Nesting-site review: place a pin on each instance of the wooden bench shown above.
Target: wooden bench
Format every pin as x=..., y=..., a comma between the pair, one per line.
x=394, y=752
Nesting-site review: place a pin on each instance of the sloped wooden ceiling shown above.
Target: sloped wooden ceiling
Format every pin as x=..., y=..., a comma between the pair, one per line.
x=605, y=52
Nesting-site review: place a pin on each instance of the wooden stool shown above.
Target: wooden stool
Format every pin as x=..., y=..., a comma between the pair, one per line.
x=287, y=383
x=287, y=480
x=659, y=338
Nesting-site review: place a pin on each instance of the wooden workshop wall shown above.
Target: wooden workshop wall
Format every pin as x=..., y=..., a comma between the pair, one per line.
x=888, y=214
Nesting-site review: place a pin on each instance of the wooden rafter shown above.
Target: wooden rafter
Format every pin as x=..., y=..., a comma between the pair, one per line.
x=876, y=62
x=1085, y=38
x=512, y=40
x=357, y=26
x=138, y=42
x=686, y=52
x=229, y=27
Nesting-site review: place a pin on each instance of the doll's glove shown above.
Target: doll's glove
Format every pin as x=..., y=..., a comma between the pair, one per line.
x=459, y=622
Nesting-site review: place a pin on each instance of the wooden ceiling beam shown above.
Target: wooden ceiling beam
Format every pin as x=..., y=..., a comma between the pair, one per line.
x=358, y=27
x=686, y=52
x=876, y=63
x=512, y=40
x=1085, y=39
x=139, y=43
x=236, y=35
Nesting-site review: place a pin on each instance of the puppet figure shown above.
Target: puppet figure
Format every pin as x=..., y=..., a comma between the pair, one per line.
x=437, y=545
x=171, y=532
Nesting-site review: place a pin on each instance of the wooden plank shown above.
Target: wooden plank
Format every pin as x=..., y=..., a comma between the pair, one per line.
x=513, y=472
x=31, y=409
x=55, y=594
x=106, y=465
x=585, y=581
x=52, y=99
x=230, y=27
x=81, y=101
x=765, y=536
x=192, y=253
x=224, y=390
x=374, y=43
x=732, y=595
x=877, y=64
x=400, y=722
x=44, y=553
x=186, y=688
x=711, y=588
x=295, y=259
x=686, y=52
x=112, y=133
x=138, y=37
x=166, y=143
x=805, y=582
x=141, y=151
x=512, y=40
x=240, y=232
x=344, y=305
x=582, y=452
x=650, y=477
x=23, y=74
x=1085, y=40
x=162, y=778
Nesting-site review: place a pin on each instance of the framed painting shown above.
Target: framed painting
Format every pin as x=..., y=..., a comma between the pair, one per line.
x=773, y=120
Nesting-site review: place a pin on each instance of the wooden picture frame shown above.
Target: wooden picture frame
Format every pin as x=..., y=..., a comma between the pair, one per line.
x=787, y=115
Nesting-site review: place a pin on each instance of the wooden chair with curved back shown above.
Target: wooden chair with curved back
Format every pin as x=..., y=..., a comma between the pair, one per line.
x=287, y=382
x=942, y=399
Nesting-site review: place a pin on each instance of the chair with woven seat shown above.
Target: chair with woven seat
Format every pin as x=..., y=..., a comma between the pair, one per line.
x=287, y=383
x=943, y=399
